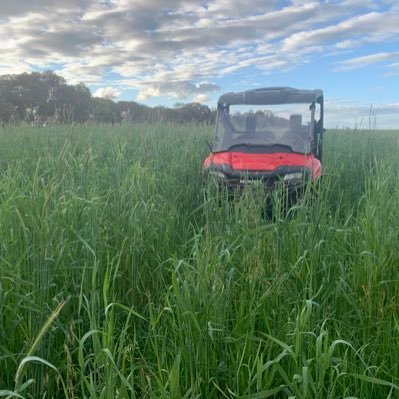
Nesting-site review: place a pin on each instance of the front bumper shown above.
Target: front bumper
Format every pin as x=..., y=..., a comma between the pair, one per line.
x=289, y=179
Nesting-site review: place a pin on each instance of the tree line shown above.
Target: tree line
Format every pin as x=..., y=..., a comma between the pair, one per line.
x=45, y=97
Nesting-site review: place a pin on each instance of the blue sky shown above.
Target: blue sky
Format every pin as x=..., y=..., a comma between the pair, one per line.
x=160, y=52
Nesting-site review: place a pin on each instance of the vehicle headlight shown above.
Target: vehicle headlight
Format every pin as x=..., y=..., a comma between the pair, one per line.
x=293, y=176
x=217, y=174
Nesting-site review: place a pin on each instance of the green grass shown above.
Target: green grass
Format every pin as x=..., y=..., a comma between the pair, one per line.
x=120, y=278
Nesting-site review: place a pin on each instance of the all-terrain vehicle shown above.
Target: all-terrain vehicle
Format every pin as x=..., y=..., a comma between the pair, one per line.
x=270, y=135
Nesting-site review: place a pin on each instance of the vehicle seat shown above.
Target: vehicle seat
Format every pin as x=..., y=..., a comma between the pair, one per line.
x=296, y=128
x=296, y=135
x=250, y=124
x=295, y=123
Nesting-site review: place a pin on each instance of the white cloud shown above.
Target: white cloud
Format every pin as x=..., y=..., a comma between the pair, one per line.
x=374, y=25
x=177, y=89
x=75, y=72
x=364, y=61
x=165, y=47
x=109, y=93
x=18, y=67
x=201, y=98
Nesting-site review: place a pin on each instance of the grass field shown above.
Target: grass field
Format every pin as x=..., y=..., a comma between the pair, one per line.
x=120, y=278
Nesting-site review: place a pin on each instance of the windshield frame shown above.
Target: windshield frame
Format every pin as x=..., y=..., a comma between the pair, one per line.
x=223, y=110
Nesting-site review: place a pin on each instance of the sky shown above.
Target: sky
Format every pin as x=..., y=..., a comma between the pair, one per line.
x=163, y=52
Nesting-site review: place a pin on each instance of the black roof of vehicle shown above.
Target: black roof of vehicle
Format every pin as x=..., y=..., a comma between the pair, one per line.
x=272, y=95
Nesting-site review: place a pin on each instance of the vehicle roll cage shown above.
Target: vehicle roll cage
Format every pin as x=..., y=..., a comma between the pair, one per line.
x=281, y=95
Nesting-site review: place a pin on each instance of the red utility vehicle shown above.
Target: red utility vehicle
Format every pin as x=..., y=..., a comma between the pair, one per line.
x=270, y=135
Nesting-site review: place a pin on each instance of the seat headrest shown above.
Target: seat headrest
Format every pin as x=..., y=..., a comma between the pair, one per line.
x=250, y=123
x=295, y=121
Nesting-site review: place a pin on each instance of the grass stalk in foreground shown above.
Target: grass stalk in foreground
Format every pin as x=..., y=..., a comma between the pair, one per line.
x=175, y=294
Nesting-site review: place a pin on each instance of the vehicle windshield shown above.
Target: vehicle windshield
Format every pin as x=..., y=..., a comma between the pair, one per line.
x=264, y=128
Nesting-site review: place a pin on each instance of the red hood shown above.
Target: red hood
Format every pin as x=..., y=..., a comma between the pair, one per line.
x=267, y=162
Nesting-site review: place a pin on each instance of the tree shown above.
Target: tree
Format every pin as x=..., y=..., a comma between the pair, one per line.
x=105, y=111
x=75, y=102
x=44, y=96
